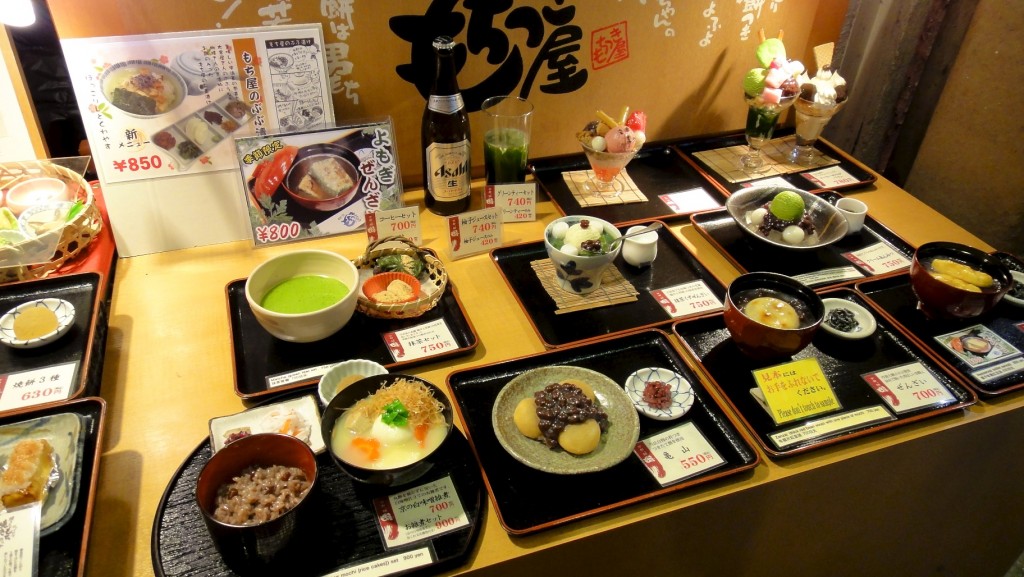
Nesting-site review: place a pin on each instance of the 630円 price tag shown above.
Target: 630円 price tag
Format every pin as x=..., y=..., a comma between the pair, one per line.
x=36, y=386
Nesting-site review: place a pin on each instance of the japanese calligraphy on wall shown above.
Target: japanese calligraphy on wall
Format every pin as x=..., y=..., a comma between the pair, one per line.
x=681, y=62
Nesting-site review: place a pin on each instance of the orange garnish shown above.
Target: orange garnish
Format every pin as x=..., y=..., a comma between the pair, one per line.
x=420, y=432
x=369, y=447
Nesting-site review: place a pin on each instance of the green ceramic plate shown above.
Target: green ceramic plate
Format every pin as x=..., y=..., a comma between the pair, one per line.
x=616, y=443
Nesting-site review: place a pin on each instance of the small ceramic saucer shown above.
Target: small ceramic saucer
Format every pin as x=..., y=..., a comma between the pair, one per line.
x=866, y=323
x=64, y=310
x=1018, y=278
x=682, y=393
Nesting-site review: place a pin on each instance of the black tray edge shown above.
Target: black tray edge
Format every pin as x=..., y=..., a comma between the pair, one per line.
x=248, y=397
x=892, y=279
x=841, y=438
x=681, y=240
x=743, y=434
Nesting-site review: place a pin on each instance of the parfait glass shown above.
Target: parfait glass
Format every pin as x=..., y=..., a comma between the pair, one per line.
x=606, y=166
x=811, y=119
x=761, y=120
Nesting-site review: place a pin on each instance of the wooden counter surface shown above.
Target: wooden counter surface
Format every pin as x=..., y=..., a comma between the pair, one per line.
x=938, y=497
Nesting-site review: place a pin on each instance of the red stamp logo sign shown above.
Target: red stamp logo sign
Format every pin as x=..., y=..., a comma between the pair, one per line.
x=609, y=45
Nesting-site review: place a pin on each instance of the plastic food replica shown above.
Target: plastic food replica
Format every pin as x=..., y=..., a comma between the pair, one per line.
x=563, y=415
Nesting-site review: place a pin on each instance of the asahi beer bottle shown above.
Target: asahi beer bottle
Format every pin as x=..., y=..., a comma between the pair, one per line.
x=446, y=152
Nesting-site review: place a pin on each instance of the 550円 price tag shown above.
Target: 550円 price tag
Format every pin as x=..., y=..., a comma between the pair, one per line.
x=677, y=454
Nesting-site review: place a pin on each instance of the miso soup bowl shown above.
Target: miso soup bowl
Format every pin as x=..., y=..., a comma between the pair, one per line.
x=940, y=300
x=303, y=327
x=253, y=545
x=760, y=341
x=358, y=391
x=575, y=273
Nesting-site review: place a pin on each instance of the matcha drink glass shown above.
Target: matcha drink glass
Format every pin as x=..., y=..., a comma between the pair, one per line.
x=761, y=120
x=507, y=139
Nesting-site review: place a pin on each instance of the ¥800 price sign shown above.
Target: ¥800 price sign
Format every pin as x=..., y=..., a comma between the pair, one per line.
x=37, y=386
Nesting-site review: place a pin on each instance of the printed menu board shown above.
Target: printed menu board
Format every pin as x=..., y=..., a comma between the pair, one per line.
x=170, y=104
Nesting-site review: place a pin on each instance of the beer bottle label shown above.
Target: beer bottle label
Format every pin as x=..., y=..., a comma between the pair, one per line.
x=448, y=171
x=449, y=104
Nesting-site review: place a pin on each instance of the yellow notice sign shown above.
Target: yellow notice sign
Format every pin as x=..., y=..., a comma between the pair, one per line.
x=796, y=390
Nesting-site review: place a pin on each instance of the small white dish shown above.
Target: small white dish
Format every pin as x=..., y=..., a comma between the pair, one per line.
x=299, y=418
x=42, y=219
x=866, y=323
x=64, y=311
x=328, y=386
x=681, y=390
x=1018, y=278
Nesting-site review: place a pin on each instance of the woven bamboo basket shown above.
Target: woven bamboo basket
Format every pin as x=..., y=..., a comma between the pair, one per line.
x=74, y=237
x=433, y=280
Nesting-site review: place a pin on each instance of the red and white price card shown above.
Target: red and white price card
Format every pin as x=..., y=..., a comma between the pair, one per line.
x=474, y=232
x=878, y=258
x=518, y=202
x=37, y=386
x=419, y=513
x=831, y=177
x=403, y=221
x=421, y=341
x=677, y=454
x=909, y=387
x=20, y=540
x=687, y=299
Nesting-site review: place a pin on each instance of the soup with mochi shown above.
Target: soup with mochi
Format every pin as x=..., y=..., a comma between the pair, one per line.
x=774, y=308
x=396, y=426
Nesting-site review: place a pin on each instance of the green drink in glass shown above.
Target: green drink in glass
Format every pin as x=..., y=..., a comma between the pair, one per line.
x=507, y=140
x=505, y=155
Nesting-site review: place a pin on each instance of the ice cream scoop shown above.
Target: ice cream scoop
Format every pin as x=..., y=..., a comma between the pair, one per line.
x=620, y=139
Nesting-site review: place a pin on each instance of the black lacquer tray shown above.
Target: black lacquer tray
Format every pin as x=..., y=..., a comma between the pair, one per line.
x=528, y=500
x=83, y=344
x=63, y=552
x=258, y=355
x=749, y=254
x=338, y=530
x=843, y=363
x=990, y=376
x=657, y=170
x=673, y=266
x=860, y=176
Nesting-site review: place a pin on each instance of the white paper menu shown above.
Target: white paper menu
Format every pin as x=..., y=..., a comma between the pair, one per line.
x=161, y=112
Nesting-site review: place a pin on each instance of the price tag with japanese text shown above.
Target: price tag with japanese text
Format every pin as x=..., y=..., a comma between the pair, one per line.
x=474, y=232
x=403, y=221
x=687, y=201
x=421, y=341
x=878, y=258
x=518, y=202
x=677, y=454
x=298, y=375
x=909, y=387
x=27, y=388
x=796, y=390
x=687, y=299
x=831, y=177
x=19, y=540
x=419, y=513
x=401, y=562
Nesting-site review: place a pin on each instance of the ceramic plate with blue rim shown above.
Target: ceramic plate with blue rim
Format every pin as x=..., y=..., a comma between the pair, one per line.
x=682, y=395
x=62, y=309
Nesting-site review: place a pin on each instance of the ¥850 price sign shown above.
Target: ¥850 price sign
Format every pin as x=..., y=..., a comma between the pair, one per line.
x=142, y=164
x=37, y=386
